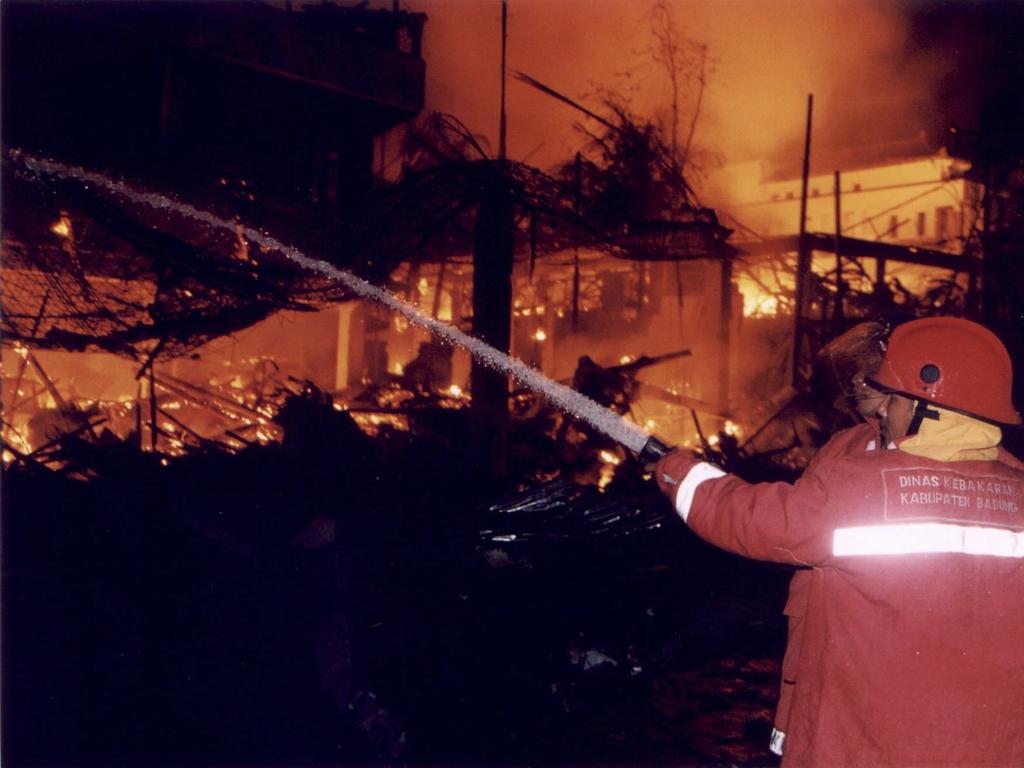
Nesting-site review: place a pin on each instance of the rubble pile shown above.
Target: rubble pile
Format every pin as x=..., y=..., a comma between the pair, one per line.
x=352, y=597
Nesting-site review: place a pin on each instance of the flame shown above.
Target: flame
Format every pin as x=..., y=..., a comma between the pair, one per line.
x=62, y=226
x=242, y=248
x=455, y=390
x=757, y=300
x=17, y=440
x=733, y=429
x=609, y=461
x=540, y=335
x=371, y=423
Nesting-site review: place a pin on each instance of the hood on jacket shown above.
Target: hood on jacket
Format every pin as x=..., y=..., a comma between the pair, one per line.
x=954, y=437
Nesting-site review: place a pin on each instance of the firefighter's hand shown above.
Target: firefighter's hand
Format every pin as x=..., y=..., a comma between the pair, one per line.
x=670, y=470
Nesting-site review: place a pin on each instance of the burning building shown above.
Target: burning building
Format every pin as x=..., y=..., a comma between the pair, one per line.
x=294, y=136
x=925, y=201
x=890, y=235
x=261, y=112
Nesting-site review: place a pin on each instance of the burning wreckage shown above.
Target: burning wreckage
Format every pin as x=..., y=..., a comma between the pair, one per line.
x=351, y=529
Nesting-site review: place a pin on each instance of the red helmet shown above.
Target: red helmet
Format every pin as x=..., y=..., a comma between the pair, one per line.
x=953, y=363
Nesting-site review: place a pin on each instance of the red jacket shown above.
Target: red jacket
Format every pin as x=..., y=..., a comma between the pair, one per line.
x=852, y=441
x=913, y=635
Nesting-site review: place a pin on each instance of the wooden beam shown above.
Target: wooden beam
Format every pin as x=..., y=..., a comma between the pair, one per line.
x=853, y=248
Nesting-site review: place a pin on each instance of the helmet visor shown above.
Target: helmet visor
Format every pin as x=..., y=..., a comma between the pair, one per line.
x=853, y=357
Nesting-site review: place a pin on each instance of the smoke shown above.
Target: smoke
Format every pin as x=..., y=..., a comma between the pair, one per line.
x=873, y=86
x=984, y=89
x=871, y=97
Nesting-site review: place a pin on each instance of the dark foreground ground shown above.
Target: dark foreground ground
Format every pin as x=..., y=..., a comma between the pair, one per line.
x=331, y=601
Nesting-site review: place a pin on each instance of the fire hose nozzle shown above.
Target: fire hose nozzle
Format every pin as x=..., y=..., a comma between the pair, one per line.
x=653, y=450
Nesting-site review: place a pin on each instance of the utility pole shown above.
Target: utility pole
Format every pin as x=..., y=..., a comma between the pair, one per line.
x=724, y=332
x=494, y=243
x=492, y=322
x=504, y=47
x=577, y=195
x=837, y=307
x=803, y=262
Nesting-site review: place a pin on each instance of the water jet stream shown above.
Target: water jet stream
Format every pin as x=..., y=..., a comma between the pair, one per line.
x=568, y=400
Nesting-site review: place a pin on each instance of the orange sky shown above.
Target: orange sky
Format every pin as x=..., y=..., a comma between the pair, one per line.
x=766, y=57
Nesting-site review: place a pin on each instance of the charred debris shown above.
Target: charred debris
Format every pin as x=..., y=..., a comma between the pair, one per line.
x=255, y=570
x=251, y=569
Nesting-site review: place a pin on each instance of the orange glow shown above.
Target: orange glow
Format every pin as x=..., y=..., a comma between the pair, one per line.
x=609, y=461
x=757, y=301
x=62, y=226
x=371, y=423
x=242, y=246
x=16, y=439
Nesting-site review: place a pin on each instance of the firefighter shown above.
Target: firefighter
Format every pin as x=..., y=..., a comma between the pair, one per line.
x=849, y=360
x=913, y=536
x=852, y=359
